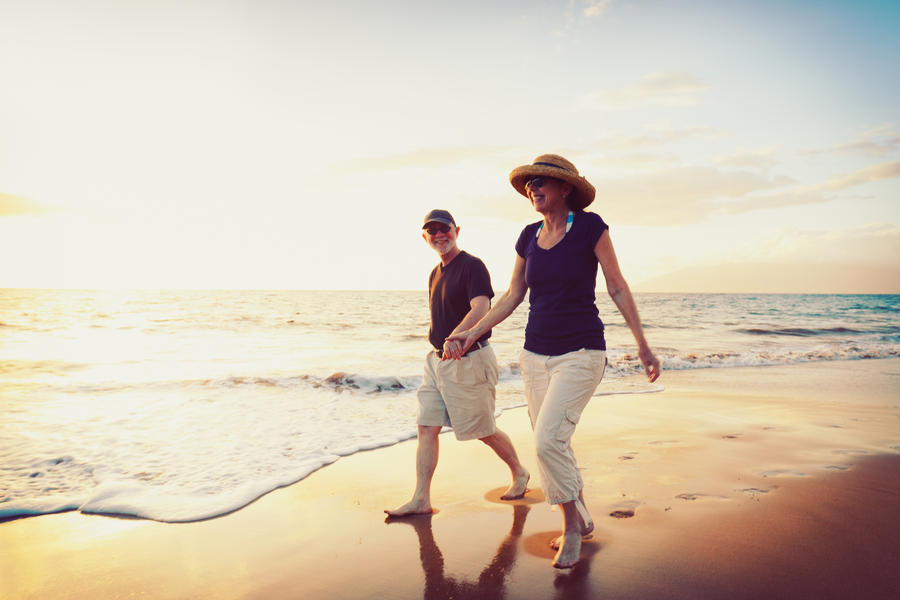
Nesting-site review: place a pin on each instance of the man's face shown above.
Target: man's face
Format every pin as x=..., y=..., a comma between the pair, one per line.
x=440, y=236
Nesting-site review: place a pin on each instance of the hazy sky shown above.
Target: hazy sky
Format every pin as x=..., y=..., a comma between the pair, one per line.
x=735, y=146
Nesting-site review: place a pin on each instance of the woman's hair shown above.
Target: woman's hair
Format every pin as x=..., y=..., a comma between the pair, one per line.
x=568, y=197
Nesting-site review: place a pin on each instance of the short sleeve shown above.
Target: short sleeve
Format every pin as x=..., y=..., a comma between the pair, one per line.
x=479, y=280
x=596, y=227
x=524, y=239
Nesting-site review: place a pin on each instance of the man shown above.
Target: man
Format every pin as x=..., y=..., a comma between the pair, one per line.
x=460, y=393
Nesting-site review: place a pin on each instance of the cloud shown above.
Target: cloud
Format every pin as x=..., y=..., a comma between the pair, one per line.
x=638, y=160
x=650, y=140
x=759, y=159
x=813, y=194
x=661, y=192
x=595, y=8
x=676, y=196
x=424, y=158
x=876, y=142
x=875, y=245
x=793, y=197
x=675, y=88
x=869, y=148
x=689, y=194
x=15, y=205
x=889, y=170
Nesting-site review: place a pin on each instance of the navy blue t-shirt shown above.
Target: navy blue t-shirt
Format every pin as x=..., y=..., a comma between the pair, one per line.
x=563, y=316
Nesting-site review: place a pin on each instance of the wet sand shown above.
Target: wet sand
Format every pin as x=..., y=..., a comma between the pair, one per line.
x=771, y=482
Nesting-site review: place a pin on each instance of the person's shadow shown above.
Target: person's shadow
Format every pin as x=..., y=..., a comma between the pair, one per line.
x=492, y=580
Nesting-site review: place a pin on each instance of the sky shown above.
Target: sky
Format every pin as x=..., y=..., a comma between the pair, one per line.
x=735, y=146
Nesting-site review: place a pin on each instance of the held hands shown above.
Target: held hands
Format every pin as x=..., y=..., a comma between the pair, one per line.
x=451, y=350
x=650, y=362
x=457, y=345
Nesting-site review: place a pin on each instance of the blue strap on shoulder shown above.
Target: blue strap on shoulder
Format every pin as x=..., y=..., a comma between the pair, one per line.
x=569, y=220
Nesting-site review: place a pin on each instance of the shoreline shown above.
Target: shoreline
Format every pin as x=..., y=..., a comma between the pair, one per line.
x=751, y=482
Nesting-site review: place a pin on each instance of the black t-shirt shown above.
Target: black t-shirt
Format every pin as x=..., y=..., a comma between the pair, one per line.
x=450, y=288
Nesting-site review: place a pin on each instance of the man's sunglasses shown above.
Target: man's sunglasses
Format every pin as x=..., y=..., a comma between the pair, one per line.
x=536, y=182
x=434, y=229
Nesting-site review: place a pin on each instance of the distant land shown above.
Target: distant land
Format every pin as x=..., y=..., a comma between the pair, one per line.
x=778, y=278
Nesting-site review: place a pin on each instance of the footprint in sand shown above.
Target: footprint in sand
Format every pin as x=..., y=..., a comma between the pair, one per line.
x=732, y=436
x=693, y=497
x=624, y=509
x=532, y=496
x=628, y=456
x=782, y=473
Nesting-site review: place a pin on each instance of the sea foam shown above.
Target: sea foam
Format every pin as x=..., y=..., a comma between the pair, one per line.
x=181, y=406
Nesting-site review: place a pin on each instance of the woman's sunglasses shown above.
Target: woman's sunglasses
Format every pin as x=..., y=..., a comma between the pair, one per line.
x=536, y=182
x=434, y=229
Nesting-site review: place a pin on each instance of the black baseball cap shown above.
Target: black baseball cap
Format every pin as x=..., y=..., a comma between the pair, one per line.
x=440, y=216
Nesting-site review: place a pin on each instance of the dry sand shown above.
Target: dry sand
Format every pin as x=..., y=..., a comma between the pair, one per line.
x=772, y=482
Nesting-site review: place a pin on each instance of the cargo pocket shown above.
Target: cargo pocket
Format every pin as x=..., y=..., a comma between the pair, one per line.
x=567, y=426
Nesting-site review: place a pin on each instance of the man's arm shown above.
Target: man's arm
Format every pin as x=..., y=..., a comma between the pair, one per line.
x=478, y=307
x=463, y=339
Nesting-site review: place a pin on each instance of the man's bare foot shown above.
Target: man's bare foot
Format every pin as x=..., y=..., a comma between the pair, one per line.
x=413, y=507
x=569, y=551
x=556, y=542
x=518, y=488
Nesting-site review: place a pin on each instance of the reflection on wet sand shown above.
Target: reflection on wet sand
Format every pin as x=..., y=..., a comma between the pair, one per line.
x=492, y=580
x=572, y=584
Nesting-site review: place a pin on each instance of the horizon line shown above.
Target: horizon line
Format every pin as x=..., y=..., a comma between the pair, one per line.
x=600, y=291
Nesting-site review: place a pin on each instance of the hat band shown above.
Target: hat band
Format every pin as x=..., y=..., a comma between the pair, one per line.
x=544, y=164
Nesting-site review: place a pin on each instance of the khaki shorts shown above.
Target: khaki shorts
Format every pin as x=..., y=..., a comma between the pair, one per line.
x=460, y=394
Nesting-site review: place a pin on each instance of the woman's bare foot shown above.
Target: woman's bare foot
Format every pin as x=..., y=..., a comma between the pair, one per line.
x=556, y=542
x=413, y=507
x=569, y=551
x=518, y=488
x=584, y=517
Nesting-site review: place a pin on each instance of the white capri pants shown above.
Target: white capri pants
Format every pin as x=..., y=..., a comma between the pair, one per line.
x=557, y=389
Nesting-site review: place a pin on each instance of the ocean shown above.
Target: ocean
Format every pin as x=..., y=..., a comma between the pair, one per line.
x=180, y=406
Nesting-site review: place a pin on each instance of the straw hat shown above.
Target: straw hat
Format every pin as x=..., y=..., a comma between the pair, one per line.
x=553, y=165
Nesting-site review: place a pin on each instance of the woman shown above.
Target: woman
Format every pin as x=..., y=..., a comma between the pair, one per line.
x=565, y=350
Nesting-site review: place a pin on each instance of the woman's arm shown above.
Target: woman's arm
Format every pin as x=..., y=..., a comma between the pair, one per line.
x=621, y=294
x=512, y=298
x=479, y=307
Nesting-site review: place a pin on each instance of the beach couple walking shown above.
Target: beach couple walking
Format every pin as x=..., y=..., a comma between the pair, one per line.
x=564, y=353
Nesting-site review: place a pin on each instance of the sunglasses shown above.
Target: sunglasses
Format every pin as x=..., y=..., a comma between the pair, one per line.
x=434, y=229
x=537, y=182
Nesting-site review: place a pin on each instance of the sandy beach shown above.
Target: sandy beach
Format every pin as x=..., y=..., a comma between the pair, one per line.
x=768, y=482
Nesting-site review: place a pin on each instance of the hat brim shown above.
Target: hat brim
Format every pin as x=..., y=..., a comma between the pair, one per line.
x=582, y=195
x=438, y=220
